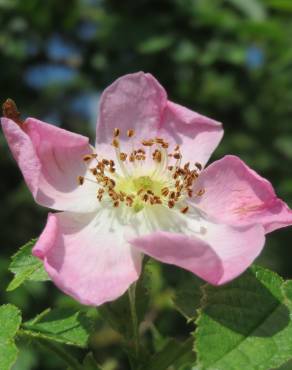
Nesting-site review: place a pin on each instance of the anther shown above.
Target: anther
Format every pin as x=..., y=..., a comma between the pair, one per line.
x=170, y=203
x=80, y=180
x=185, y=209
x=116, y=203
x=123, y=157
x=177, y=155
x=116, y=132
x=147, y=142
x=115, y=143
x=199, y=166
x=130, y=133
x=157, y=156
x=165, y=191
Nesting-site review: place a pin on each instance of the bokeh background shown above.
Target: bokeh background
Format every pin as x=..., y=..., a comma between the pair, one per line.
x=229, y=59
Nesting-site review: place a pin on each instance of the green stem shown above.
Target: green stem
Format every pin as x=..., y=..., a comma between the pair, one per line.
x=132, y=300
x=57, y=349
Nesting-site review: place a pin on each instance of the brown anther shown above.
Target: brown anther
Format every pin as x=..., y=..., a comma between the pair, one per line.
x=145, y=197
x=105, y=162
x=170, y=204
x=159, y=140
x=147, y=142
x=200, y=192
x=116, y=203
x=172, y=195
x=80, y=180
x=10, y=111
x=130, y=133
x=170, y=168
x=132, y=158
x=88, y=157
x=186, y=166
x=199, y=166
x=165, y=191
x=176, y=148
x=99, y=197
x=116, y=132
x=177, y=155
x=112, y=170
x=115, y=143
x=129, y=201
x=93, y=171
x=190, y=193
x=123, y=157
x=185, y=209
x=150, y=192
x=177, y=183
x=165, y=145
x=157, y=156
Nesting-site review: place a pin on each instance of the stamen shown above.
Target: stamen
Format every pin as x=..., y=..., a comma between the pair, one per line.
x=123, y=157
x=116, y=143
x=199, y=166
x=185, y=209
x=130, y=133
x=116, y=132
x=166, y=185
x=80, y=180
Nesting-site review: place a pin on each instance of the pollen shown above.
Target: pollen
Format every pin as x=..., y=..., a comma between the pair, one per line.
x=149, y=176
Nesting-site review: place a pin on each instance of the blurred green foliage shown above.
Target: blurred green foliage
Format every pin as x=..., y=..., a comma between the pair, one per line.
x=229, y=59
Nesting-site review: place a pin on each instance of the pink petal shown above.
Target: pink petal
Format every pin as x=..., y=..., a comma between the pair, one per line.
x=235, y=194
x=87, y=257
x=135, y=101
x=50, y=159
x=217, y=255
x=197, y=135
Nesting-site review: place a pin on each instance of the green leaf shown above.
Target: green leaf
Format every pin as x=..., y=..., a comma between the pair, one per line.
x=60, y=325
x=246, y=324
x=156, y=44
x=252, y=8
x=188, y=296
x=170, y=353
x=26, y=267
x=10, y=320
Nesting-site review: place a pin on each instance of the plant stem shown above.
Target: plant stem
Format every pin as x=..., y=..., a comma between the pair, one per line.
x=132, y=300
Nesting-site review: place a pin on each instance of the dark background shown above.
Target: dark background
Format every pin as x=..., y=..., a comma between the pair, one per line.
x=229, y=59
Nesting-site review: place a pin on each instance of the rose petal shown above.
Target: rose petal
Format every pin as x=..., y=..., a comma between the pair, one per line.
x=236, y=194
x=87, y=257
x=135, y=101
x=197, y=135
x=218, y=253
x=50, y=159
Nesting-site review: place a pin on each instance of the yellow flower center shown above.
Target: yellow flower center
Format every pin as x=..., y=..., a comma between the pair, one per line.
x=146, y=176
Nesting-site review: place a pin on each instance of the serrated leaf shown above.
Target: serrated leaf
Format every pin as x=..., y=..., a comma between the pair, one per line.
x=246, y=324
x=10, y=320
x=170, y=353
x=61, y=325
x=26, y=267
x=188, y=296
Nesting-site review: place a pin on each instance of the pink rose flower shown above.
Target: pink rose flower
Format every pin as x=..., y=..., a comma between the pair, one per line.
x=142, y=189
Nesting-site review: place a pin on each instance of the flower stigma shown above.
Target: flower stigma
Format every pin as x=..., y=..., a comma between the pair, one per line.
x=147, y=176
